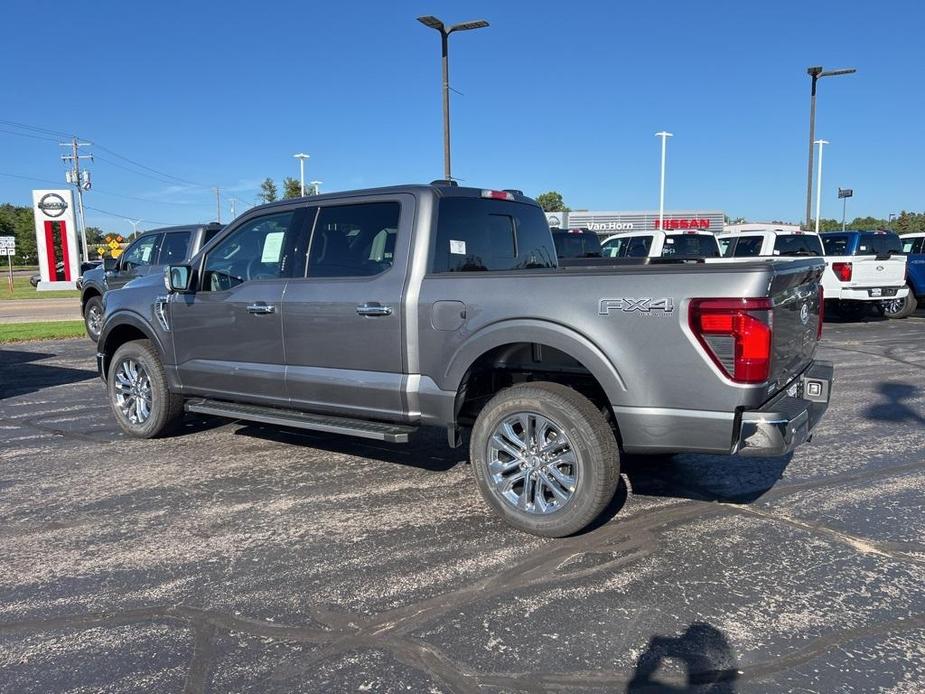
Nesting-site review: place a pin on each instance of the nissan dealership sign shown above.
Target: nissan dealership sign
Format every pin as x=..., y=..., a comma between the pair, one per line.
x=608, y=223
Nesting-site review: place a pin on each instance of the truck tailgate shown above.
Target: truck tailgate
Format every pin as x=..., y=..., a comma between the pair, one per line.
x=795, y=320
x=871, y=272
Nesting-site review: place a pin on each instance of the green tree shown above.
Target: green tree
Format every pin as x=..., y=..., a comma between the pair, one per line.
x=551, y=202
x=95, y=237
x=291, y=188
x=268, y=192
x=20, y=222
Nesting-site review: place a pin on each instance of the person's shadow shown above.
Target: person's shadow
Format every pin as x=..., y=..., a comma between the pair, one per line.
x=703, y=650
x=893, y=408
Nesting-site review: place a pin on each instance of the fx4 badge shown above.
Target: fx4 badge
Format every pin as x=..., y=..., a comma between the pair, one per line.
x=643, y=304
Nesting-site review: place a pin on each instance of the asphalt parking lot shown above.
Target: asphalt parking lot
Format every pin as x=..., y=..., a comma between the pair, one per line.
x=239, y=558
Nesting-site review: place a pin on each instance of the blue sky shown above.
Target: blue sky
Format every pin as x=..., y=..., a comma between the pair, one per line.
x=563, y=96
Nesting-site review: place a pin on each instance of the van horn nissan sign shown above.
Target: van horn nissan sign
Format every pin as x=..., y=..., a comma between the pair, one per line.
x=608, y=223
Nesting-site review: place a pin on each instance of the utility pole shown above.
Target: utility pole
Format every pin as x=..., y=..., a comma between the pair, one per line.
x=81, y=181
x=232, y=208
x=218, y=204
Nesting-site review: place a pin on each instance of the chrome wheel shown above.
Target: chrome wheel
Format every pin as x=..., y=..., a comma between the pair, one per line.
x=94, y=320
x=133, y=391
x=532, y=464
x=894, y=306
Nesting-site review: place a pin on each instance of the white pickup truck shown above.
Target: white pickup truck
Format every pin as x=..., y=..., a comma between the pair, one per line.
x=776, y=243
x=689, y=243
x=863, y=268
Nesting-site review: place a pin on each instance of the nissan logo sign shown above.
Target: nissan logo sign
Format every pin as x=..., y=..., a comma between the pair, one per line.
x=52, y=205
x=554, y=221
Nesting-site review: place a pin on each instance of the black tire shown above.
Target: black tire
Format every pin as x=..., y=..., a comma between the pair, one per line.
x=901, y=308
x=589, y=437
x=93, y=317
x=164, y=408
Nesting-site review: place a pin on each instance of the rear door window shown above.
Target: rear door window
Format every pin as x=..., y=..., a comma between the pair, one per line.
x=748, y=247
x=638, y=246
x=354, y=240
x=479, y=235
x=174, y=247
x=797, y=244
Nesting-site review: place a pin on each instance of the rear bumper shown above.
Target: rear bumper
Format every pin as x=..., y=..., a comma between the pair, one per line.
x=869, y=293
x=787, y=420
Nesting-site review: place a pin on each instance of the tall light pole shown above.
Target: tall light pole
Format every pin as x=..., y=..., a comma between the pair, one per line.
x=134, y=223
x=819, y=183
x=301, y=157
x=316, y=187
x=445, y=32
x=816, y=73
x=661, y=188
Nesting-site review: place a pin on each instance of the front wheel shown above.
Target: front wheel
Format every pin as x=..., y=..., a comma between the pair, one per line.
x=900, y=308
x=93, y=317
x=138, y=392
x=544, y=458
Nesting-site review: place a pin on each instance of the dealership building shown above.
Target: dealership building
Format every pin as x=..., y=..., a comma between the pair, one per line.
x=610, y=223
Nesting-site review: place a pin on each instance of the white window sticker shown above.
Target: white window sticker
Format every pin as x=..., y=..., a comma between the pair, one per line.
x=457, y=247
x=271, y=247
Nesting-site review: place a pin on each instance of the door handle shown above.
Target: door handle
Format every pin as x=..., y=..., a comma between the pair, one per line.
x=261, y=308
x=374, y=308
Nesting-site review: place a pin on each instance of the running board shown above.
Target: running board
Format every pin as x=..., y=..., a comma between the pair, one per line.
x=381, y=431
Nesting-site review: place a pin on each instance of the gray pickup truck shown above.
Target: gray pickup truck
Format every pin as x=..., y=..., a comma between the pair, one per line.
x=147, y=254
x=372, y=313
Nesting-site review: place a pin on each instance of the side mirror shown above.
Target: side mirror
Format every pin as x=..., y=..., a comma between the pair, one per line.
x=110, y=264
x=177, y=278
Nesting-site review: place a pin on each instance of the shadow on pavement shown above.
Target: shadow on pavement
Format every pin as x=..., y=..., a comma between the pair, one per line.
x=702, y=649
x=729, y=479
x=894, y=407
x=19, y=374
x=427, y=449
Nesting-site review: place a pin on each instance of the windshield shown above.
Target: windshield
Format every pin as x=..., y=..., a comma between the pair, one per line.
x=691, y=246
x=577, y=245
x=797, y=244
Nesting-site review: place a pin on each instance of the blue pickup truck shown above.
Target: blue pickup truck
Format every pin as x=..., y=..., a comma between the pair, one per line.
x=914, y=250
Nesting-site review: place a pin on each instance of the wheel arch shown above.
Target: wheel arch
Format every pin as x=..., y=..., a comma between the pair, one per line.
x=120, y=328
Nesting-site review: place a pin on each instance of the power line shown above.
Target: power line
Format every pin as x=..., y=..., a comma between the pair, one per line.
x=122, y=216
x=148, y=168
x=34, y=137
x=35, y=128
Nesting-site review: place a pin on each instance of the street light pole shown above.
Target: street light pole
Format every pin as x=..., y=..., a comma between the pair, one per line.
x=661, y=188
x=819, y=183
x=434, y=23
x=316, y=187
x=134, y=224
x=816, y=72
x=301, y=157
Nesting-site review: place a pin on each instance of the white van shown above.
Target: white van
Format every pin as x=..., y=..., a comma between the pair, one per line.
x=689, y=243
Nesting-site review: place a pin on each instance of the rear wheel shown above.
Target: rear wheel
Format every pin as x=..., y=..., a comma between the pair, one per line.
x=544, y=458
x=93, y=317
x=138, y=393
x=901, y=308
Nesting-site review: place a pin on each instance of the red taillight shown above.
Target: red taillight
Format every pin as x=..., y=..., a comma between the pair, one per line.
x=842, y=271
x=736, y=333
x=821, y=312
x=497, y=195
